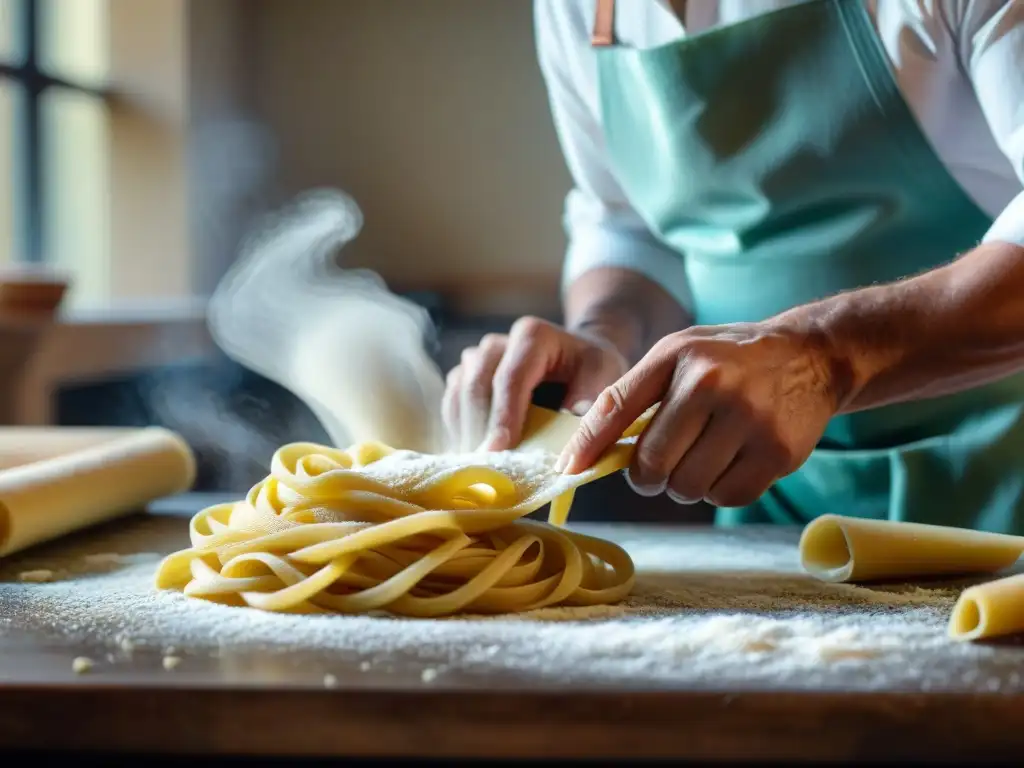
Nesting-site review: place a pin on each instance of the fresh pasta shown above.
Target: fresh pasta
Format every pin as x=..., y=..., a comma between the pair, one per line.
x=836, y=548
x=992, y=609
x=372, y=529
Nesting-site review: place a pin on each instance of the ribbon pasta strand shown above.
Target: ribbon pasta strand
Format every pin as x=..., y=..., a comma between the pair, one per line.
x=376, y=529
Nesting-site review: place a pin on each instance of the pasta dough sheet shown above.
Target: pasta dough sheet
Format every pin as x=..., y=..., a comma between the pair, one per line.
x=844, y=549
x=414, y=534
x=77, y=478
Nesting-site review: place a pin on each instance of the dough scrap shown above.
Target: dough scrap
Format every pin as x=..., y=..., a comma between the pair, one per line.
x=38, y=576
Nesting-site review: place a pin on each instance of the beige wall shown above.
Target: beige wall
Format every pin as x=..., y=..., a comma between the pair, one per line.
x=434, y=117
x=432, y=114
x=230, y=155
x=148, y=172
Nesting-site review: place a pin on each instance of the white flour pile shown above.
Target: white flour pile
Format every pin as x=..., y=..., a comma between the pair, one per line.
x=710, y=609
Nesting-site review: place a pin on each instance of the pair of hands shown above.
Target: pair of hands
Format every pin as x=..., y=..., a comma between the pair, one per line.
x=741, y=405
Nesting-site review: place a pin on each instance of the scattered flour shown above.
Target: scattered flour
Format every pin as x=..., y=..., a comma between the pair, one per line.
x=719, y=609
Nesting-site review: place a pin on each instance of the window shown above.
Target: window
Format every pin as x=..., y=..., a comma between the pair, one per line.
x=54, y=118
x=93, y=172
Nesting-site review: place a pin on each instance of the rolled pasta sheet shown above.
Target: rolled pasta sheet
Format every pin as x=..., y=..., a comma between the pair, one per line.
x=993, y=609
x=375, y=529
x=95, y=476
x=835, y=548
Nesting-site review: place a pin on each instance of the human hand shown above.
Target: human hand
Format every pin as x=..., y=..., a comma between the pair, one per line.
x=740, y=406
x=488, y=394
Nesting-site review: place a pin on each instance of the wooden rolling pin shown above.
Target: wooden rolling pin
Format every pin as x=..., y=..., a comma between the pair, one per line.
x=54, y=481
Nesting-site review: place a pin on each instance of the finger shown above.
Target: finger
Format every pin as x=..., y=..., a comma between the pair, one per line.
x=527, y=361
x=479, y=364
x=708, y=459
x=583, y=392
x=677, y=425
x=744, y=482
x=616, y=408
x=450, y=407
x=474, y=396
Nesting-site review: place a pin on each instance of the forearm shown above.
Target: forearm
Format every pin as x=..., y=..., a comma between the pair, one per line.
x=944, y=331
x=623, y=307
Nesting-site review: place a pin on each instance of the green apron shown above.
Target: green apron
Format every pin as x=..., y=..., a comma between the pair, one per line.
x=779, y=157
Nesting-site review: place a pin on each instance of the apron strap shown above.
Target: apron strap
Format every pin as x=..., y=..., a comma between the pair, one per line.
x=604, y=24
x=604, y=21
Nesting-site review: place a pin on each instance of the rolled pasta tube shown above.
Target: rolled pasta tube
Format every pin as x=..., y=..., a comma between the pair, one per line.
x=109, y=478
x=835, y=548
x=993, y=609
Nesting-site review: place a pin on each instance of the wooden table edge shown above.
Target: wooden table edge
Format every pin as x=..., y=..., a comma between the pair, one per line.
x=510, y=723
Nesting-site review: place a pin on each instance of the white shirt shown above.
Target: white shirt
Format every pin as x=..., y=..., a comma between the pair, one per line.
x=959, y=65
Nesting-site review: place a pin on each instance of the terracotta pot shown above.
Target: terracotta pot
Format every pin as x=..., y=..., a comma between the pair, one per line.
x=31, y=291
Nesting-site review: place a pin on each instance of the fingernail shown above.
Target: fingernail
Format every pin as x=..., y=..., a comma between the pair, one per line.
x=645, y=490
x=679, y=498
x=498, y=439
x=581, y=407
x=564, y=460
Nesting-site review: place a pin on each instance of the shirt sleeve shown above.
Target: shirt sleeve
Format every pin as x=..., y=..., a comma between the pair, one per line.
x=991, y=41
x=603, y=229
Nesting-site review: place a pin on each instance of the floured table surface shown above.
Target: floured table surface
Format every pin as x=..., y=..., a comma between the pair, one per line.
x=726, y=649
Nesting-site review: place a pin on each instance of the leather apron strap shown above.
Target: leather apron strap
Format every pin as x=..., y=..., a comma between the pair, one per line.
x=604, y=24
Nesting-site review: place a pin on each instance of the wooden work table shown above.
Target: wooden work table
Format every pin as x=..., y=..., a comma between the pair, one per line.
x=789, y=685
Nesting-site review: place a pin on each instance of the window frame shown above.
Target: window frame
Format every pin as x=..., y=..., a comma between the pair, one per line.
x=31, y=215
